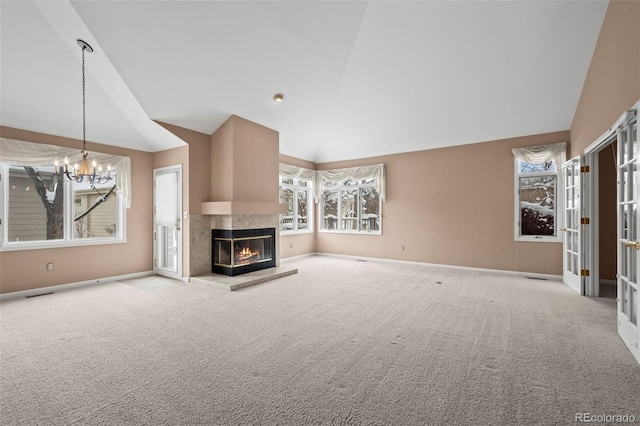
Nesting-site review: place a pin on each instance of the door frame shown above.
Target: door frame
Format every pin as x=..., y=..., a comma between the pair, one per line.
x=592, y=247
x=160, y=170
x=591, y=240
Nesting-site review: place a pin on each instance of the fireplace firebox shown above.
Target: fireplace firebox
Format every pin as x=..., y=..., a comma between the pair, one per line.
x=240, y=251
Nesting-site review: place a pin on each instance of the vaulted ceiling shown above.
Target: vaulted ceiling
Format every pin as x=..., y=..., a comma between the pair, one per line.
x=360, y=78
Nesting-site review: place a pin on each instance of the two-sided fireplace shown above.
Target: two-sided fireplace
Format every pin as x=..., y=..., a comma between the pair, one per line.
x=240, y=251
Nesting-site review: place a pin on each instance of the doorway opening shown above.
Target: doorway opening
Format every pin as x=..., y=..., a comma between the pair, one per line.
x=607, y=234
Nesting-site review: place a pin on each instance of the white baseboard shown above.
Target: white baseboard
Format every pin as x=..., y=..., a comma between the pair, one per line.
x=300, y=256
x=437, y=265
x=61, y=287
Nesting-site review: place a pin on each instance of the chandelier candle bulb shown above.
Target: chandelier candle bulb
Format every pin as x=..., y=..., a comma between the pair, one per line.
x=57, y=166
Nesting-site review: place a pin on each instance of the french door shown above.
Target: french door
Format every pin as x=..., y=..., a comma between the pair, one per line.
x=167, y=229
x=572, y=242
x=628, y=238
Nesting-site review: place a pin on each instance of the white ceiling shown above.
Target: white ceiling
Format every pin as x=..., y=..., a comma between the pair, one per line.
x=360, y=78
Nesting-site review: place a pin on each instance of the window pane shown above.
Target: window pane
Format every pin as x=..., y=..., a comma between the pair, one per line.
x=287, y=181
x=350, y=209
x=36, y=204
x=302, y=210
x=537, y=205
x=634, y=137
x=95, y=210
x=330, y=210
x=287, y=219
x=370, y=210
x=525, y=167
x=301, y=182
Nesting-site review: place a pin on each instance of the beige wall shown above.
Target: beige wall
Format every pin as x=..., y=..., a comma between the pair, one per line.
x=199, y=176
x=612, y=85
x=244, y=161
x=256, y=151
x=222, y=162
x=607, y=226
x=24, y=270
x=452, y=206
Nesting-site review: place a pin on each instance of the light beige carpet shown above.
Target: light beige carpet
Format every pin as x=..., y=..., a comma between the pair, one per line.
x=341, y=343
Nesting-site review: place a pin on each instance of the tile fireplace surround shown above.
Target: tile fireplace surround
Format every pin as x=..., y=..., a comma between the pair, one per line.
x=200, y=241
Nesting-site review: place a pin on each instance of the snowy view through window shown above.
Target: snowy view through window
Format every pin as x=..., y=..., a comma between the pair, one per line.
x=537, y=198
x=351, y=206
x=37, y=208
x=295, y=193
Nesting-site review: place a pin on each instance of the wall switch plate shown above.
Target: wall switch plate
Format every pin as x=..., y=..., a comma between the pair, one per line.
x=50, y=266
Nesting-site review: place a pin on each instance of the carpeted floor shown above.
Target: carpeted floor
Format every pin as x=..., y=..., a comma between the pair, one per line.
x=342, y=342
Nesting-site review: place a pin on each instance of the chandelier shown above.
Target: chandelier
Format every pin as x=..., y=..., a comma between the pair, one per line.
x=94, y=174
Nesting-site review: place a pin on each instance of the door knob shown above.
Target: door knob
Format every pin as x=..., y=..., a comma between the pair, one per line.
x=634, y=244
x=564, y=229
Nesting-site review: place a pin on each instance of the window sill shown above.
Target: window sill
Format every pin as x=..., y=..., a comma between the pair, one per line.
x=61, y=244
x=299, y=232
x=540, y=239
x=326, y=231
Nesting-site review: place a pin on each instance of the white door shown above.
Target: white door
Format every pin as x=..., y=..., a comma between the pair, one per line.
x=167, y=229
x=571, y=242
x=628, y=238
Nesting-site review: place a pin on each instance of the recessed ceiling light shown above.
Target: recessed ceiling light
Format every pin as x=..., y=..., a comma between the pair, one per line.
x=278, y=97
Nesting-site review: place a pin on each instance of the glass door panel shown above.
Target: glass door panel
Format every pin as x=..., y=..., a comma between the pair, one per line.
x=167, y=183
x=571, y=238
x=628, y=238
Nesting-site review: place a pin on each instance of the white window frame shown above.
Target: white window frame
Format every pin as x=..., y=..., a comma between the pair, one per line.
x=342, y=187
x=558, y=202
x=297, y=188
x=68, y=240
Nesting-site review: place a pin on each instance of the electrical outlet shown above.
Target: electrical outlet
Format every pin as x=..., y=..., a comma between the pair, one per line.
x=290, y=245
x=402, y=248
x=50, y=266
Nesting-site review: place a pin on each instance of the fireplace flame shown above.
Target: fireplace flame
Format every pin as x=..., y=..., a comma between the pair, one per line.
x=246, y=255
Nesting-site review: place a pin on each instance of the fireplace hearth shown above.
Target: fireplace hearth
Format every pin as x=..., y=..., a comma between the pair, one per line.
x=240, y=251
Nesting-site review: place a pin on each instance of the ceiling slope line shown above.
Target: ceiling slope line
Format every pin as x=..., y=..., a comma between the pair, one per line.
x=66, y=22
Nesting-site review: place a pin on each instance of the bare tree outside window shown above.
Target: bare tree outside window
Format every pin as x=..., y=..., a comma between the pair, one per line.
x=36, y=200
x=537, y=198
